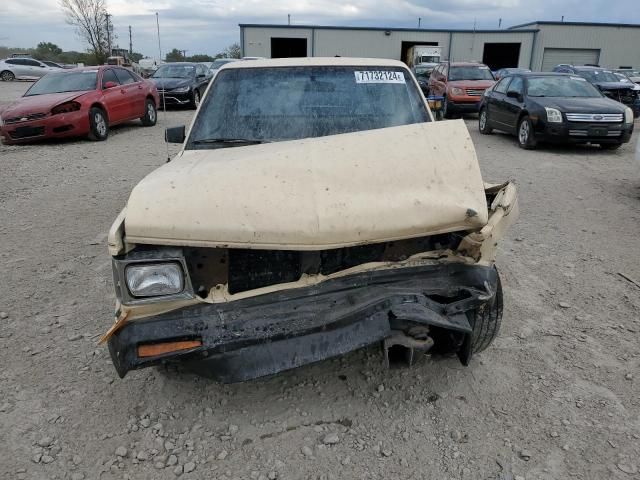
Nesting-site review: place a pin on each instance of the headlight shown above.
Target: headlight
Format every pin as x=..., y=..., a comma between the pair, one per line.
x=181, y=90
x=553, y=115
x=457, y=91
x=154, y=280
x=628, y=115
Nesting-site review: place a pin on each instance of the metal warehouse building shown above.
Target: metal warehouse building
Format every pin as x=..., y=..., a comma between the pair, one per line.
x=535, y=45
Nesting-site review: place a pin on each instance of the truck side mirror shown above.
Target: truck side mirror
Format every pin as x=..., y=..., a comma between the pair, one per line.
x=175, y=134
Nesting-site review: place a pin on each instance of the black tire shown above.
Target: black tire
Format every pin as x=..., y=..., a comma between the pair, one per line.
x=446, y=111
x=525, y=134
x=98, y=125
x=150, y=116
x=610, y=146
x=486, y=321
x=483, y=122
x=195, y=99
x=7, y=76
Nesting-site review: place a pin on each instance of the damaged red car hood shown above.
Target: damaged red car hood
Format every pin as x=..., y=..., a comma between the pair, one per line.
x=328, y=192
x=38, y=103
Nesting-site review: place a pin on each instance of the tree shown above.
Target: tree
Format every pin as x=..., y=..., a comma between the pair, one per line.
x=90, y=19
x=136, y=57
x=174, y=55
x=233, y=51
x=201, y=58
x=47, y=50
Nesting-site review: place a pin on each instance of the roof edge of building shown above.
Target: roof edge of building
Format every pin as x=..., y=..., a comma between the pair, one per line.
x=384, y=29
x=574, y=24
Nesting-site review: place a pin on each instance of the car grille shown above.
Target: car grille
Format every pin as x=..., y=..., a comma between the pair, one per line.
x=595, y=117
x=475, y=92
x=26, y=132
x=585, y=133
x=24, y=118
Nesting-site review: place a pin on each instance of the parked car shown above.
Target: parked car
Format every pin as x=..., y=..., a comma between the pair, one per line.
x=503, y=72
x=633, y=75
x=52, y=64
x=23, y=68
x=272, y=240
x=607, y=83
x=461, y=84
x=216, y=64
x=422, y=74
x=181, y=83
x=79, y=102
x=554, y=107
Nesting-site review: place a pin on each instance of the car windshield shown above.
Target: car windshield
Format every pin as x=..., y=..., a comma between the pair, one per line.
x=80, y=81
x=561, y=87
x=598, y=76
x=423, y=73
x=218, y=63
x=175, y=71
x=470, y=73
x=272, y=104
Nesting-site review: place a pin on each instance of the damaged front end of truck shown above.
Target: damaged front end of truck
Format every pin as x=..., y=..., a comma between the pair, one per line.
x=245, y=262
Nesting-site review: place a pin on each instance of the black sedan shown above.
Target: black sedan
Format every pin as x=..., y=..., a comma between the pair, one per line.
x=554, y=108
x=181, y=83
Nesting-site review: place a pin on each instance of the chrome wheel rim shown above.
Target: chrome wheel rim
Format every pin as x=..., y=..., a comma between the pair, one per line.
x=483, y=120
x=101, y=124
x=7, y=76
x=524, y=132
x=151, y=112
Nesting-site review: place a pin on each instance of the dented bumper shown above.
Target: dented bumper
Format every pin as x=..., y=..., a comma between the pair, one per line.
x=266, y=334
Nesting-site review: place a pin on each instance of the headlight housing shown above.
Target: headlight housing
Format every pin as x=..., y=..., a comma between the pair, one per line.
x=181, y=90
x=66, y=107
x=553, y=115
x=154, y=280
x=457, y=91
x=628, y=115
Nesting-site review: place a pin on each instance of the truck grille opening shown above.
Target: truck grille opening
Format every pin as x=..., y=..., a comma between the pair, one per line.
x=244, y=269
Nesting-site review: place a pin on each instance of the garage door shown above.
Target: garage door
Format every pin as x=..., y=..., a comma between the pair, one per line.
x=572, y=56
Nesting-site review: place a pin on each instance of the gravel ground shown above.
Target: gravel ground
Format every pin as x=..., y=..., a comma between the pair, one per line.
x=555, y=397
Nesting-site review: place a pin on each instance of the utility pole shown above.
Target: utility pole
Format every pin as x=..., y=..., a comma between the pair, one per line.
x=130, y=42
x=419, y=21
x=499, y=23
x=108, y=16
x=289, y=19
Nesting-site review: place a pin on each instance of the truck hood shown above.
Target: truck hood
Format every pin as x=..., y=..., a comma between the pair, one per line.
x=328, y=192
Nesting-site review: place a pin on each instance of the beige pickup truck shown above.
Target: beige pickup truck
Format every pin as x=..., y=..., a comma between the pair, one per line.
x=315, y=208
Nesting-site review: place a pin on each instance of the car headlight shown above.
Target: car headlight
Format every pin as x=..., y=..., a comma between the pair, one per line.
x=553, y=115
x=181, y=90
x=628, y=115
x=152, y=280
x=457, y=91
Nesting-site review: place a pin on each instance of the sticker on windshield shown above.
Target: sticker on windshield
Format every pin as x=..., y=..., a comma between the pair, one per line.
x=379, y=76
x=579, y=78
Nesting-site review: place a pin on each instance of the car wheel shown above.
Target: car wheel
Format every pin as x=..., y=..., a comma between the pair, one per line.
x=486, y=321
x=446, y=113
x=610, y=146
x=195, y=102
x=150, y=114
x=7, y=76
x=483, y=123
x=526, y=137
x=98, y=125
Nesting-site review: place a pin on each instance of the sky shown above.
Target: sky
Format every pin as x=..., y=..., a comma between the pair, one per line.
x=208, y=26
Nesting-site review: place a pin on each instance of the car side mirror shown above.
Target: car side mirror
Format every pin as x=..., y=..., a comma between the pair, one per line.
x=200, y=75
x=512, y=94
x=175, y=134
x=43, y=66
x=110, y=85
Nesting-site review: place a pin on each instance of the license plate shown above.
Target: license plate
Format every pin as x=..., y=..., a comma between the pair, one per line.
x=598, y=132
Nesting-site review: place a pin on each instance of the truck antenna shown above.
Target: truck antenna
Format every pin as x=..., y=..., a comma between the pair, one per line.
x=164, y=104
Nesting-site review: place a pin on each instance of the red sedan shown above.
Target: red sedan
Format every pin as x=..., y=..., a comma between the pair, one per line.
x=79, y=102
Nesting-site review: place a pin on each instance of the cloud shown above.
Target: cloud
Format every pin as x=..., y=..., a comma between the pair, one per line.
x=208, y=26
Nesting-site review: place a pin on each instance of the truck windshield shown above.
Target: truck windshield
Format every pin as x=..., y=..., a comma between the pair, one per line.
x=286, y=103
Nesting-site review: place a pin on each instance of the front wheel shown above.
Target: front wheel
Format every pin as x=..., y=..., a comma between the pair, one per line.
x=486, y=321
x=526, y=136
x=446, y=109
x=150, y=114
x=98, y=125
x=7, y=76
x=483, y=123
x=610, y=146
x=195, y=101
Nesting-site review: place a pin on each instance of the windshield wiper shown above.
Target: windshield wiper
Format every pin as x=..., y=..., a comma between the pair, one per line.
x=228, y=141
